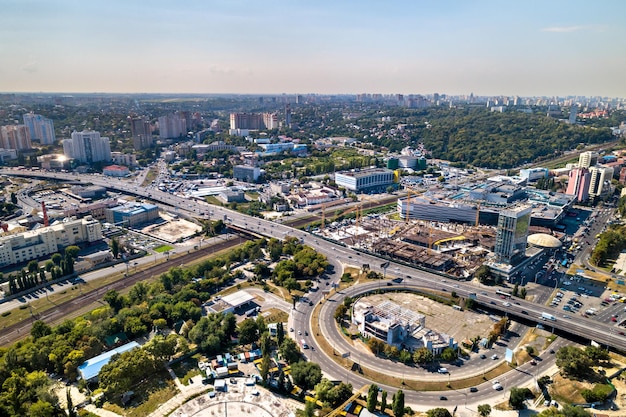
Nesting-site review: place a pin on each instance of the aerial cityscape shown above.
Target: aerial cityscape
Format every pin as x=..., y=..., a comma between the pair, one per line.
x=312, y=210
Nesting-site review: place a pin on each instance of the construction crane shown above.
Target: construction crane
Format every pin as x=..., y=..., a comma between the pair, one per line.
x=354, y=396
x=477, y=214
x=408, y=203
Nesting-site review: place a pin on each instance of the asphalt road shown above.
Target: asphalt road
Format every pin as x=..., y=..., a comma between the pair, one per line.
x=413, y=278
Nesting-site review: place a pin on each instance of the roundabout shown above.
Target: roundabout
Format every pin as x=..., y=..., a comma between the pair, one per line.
x=467, y=383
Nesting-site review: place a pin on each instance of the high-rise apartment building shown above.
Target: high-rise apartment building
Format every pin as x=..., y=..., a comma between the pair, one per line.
x=253, y=121
x=578, y=184
x=87, y=146
x=40, y=128
x=600, y=181
x=15, y=137
x=572, y=114
x=141, y=132
x=587, y=159
x=172, y=126
x=512, y=233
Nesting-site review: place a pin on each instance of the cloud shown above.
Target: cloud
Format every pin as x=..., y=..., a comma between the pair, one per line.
x=213, y=69
x=564, y=29
x=31, y=67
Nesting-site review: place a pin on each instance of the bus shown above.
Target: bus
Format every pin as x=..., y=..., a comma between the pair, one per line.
x=503, y=294
x=303, y=344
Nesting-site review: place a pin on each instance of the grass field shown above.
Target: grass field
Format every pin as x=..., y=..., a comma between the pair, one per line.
x=163, y=248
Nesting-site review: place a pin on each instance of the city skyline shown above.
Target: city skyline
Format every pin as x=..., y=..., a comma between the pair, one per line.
x=559, y=48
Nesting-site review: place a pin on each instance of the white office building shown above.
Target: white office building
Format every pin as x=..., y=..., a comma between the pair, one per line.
x=33, y=244
x=374, y=179
x=88, y=147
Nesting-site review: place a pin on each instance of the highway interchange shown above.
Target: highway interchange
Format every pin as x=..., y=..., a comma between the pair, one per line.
x=339, y=256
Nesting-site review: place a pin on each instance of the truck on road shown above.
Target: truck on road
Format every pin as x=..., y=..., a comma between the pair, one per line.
x=547, y=316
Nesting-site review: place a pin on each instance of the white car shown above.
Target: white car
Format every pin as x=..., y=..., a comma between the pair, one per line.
x=497, y=386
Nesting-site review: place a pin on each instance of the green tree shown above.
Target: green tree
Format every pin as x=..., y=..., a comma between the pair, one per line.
x=423, y=356
x=13, y=198
x=597, y=354
x=573, y=362
x=372, y=398
x=248, y=332
x=438, y=412
x=115, y=247
x=518, y=396
x=40, y=329
x=484, y=410
x=289, y=351
x=523, y=293
x=306, y=374
x=340, y=312
x=33, y=266
x=309, y=409
x=383, y=402
x=280, y=333
x=265, y=368
x=57, y=258
x=397, y=405
x=43, y=409
x=72, y=251
x=115, y=301
x=375, y=345
x=449, y=354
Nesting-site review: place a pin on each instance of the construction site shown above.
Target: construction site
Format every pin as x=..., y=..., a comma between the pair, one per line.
x=457, y=249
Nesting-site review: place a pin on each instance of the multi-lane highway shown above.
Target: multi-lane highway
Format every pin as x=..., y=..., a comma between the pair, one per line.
x=600, y=332
x=338, y=254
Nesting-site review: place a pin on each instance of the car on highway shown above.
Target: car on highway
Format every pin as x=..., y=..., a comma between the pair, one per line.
x=483, y=356
x=494, y=357
x=473, y=389
x=497, y=386
x=443, y=398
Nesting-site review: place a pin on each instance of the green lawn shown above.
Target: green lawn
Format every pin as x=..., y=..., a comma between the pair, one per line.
x=163, y=248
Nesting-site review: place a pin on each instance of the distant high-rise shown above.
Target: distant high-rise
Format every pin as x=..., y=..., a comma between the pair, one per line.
x=253, y=121
x=15, y=137
x=141, y=132
x=578, y=184
x=572, y=114
x=512, y=233
x=172, y=126
x=288, y=115
x=587, y=159
x=40, y=128
x=87, y=146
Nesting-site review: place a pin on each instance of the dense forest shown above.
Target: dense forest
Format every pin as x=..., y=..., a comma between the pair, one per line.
x=487, y=139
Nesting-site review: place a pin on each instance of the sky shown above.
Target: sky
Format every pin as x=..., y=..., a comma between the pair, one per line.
x=504, y=47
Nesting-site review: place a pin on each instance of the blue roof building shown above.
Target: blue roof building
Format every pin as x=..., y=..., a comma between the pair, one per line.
x=90, y=369
x=132, y=214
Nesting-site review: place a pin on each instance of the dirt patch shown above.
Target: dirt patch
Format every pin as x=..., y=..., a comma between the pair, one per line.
x=172, y=229
x=439, y=317
x=568, y=391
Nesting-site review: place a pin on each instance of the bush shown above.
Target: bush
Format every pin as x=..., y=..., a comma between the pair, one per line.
x=600, y=392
